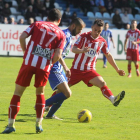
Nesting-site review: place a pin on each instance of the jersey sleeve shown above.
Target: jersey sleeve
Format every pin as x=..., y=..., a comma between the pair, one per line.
x=30, y=29
x=105, y=49
x=139, y=36
x=110, y=34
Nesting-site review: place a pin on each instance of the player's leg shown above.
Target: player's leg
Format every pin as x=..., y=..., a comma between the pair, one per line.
x=62, y=88
x=63, y=93
x=105, y=61
x=41, y=78
x=40, y=106
x=129, y=68
x=99, y=82
x=129, y=58
x=14, y=108
x=93, y=78
x=22, y=81
x=135, y=60
x=137, y=67
x=58, y=81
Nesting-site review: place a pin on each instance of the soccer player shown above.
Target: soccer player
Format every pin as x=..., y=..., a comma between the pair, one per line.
x=132, y=50
x=86, y=49
x=107, y=35
x=57, y=77
x=44, y=49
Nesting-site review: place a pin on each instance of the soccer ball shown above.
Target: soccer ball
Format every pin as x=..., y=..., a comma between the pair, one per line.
x=84, y=116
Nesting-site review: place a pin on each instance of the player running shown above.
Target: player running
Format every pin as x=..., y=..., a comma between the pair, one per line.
x=44, y=48
x=86, y=49
x=57, y=77
x=132, y=50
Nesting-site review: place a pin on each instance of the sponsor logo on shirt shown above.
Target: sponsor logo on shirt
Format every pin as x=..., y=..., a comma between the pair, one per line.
x=39, y=51
x=131, y=38
x=78, y=40
x=91, y=53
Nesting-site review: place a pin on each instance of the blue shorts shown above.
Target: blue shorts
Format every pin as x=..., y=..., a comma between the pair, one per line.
x=56, y=78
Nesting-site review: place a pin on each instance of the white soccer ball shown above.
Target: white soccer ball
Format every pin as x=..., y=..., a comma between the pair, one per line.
x=84, y=116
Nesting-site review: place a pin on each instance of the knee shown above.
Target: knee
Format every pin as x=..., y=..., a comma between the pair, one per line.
x=103, y=83
x=68, y=94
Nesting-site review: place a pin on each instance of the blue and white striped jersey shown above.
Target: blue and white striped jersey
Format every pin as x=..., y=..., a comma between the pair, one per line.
x=107, y=34
x=57, y=66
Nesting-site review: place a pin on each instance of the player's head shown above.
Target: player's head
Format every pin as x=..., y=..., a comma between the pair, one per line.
x=54, y=15
x=97, y=28
x=76, y=26
x=133, y=24
x=106, y=25
x=127, y=26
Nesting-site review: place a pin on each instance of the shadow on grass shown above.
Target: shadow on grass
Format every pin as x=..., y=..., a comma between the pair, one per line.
x=2, y=120
x=30, y=133
x=27, y=115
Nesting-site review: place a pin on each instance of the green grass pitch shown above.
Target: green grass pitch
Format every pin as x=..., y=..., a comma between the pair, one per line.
x=108, y=122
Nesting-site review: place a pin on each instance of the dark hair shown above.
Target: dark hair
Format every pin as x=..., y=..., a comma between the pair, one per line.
x=133, y=21
x=54, y=15
x=99, y=22
x=106, y=23
x=78, y=21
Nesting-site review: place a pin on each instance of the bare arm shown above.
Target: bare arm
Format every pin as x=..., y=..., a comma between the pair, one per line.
x=67, y=70
x=57, y=55
x=114, y=65
x=78, y=50
x=136, y=42
x=22, y=40
x=125, y=43
x=113, y=42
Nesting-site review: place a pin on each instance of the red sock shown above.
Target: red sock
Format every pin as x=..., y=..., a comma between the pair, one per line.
x=14, y=107
x=137, y=66
x=40, y=105
x=106, y=92
x=129, y=68
x=51, y=96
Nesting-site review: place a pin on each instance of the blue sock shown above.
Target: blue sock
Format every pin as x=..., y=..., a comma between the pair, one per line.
x=54, y=108
x=54, y=99
x=104, y=59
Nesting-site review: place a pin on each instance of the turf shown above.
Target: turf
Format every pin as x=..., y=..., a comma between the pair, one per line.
x=108, y=122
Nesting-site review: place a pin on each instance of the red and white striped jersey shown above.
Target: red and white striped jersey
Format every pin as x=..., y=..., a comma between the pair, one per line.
x=45, y=38
x=87, y=61
x=133, y=36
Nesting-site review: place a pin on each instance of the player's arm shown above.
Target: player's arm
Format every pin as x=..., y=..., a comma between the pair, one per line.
x=136, y=42
x=114, y=65
x=57, y=55
x=66, y=69
x=22, y=40
x=113, y=42
x=77, y=50
x=125, y=43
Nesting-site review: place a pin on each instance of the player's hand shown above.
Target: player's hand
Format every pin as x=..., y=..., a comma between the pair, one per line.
x=125, y=49
x=121, y=72
x=68, y=73
x=135, y=43
x=85, y=49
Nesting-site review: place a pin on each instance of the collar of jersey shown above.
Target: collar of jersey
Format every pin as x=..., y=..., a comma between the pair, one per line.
x=93, y=38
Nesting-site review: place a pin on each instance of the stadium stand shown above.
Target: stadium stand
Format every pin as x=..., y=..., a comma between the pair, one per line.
x=90, y=16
